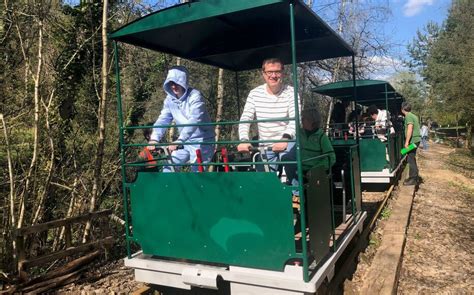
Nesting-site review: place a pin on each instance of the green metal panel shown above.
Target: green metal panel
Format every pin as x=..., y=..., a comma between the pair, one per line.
x=393, y=151
x=396, y=144
x=400, y=145
x=373, y=152
x=373, y=155
x=347, y=159
x=235, y=35
x=228, y=218
x=342, y=142
x=356, y=181
x=319, y=212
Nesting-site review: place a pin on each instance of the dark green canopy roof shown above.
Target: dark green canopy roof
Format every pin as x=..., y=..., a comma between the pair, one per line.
x=368, y=91
x=235, y=34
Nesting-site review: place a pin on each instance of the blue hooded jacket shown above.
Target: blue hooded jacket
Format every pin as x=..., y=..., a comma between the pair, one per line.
x=188, y=109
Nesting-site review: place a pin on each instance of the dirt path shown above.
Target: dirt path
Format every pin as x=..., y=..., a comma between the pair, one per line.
x=112, y=278
x=439, y=254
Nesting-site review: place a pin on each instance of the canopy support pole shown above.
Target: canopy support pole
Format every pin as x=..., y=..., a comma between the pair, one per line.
x=122, y=151
x=357, y=132
x=297, y=146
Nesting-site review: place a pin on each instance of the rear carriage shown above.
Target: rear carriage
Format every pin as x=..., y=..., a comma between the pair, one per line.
x=201, y=230
x=380, y=158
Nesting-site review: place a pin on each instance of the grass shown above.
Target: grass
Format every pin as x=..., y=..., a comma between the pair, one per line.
x=386, y=212
x=463, y=160
x=461, y=187
x=374, y=241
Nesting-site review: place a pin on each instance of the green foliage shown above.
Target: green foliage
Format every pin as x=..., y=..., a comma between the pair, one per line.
x=145, y=73
x=419, y=49
x=450, y=67
x=386, y=212
x=444, y=57
x=374, y=241
x=414, y=90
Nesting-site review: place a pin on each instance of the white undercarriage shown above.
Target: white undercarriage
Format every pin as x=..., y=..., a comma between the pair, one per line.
x=184, y=275
x=384, y=176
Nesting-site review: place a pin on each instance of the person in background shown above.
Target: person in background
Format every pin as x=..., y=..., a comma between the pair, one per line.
x=184, y=105
x=368, y=124
x=382, y=122
x=313, y=143
x=338, y=119
x=272, y=100
x=362, y=127
x=412, y=135
x=352, y=122
x=424, y=132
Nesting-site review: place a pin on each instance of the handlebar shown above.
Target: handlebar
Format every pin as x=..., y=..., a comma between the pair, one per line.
x=259, y=149
x=256, y=149
x=162, y=148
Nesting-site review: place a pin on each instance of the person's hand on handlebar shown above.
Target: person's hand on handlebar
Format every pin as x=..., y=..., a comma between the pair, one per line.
x=279, y=147
x=151, y=145
x=244, y=147
x=172, y=147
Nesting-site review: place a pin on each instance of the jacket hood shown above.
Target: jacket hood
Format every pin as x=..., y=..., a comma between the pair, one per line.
x=178, y=75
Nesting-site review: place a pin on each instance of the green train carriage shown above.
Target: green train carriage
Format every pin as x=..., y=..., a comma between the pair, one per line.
x=380, y=160
x=197, y=230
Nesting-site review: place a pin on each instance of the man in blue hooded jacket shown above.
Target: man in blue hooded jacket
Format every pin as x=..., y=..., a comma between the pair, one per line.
x=184, y=105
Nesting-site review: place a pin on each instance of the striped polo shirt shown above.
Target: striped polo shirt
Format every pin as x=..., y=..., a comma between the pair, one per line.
x=268, y=106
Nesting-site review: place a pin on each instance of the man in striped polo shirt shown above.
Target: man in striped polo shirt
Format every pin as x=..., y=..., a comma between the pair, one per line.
x=271, y=100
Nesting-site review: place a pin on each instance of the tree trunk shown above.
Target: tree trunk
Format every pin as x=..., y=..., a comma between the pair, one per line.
x=41, y=199
x=220, y=101
x=34, y=158
x=335, y=73
x=70, y=211
x=220, y=106
x=12, y=183
x=96, y=187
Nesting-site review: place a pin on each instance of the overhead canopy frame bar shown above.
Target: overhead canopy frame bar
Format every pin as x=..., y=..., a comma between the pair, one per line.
x=369, y=92
x=235, y=35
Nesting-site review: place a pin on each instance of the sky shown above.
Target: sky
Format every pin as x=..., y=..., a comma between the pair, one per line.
x=408, y=16
x=412, y=15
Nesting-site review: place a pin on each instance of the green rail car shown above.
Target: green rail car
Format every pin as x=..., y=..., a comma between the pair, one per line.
x=380, y=160
x=198, y=229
